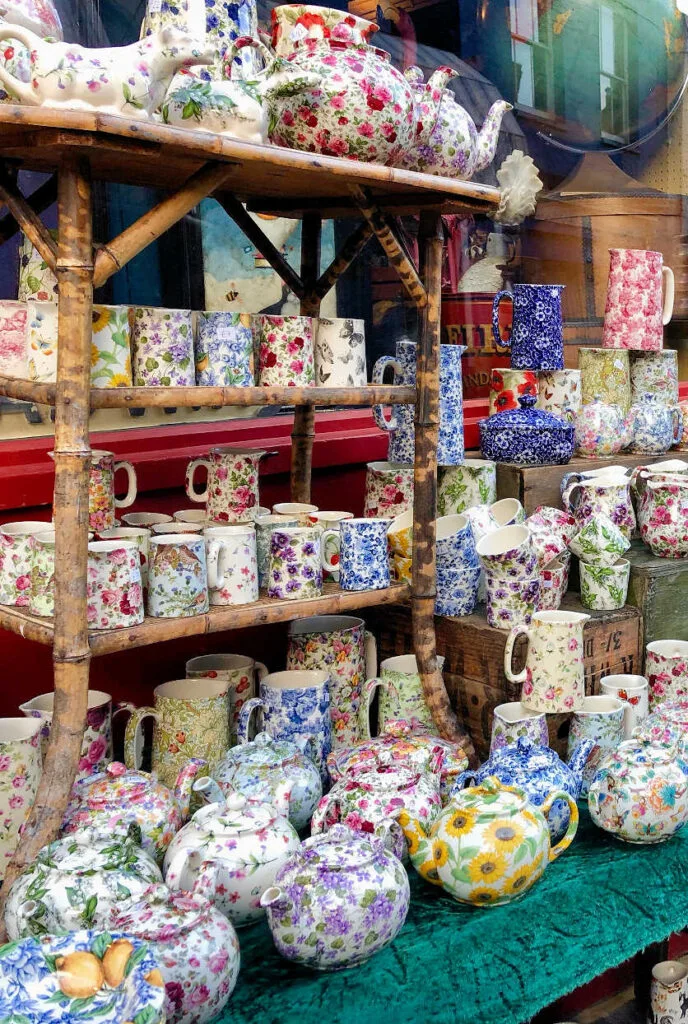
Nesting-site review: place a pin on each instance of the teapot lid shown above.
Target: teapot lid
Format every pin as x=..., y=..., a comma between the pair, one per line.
x=118, y=785
x=263, y=751
x=493, y=798
x=397, y=743
x=644, y=748
x=77, y=854
x=525, y=752
x=340, y=848
x=236, y=816
x=384, y=776
x=526, y=417
x=163, y=915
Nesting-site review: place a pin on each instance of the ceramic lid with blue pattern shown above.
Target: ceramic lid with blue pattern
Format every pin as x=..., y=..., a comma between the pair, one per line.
x=525, y=418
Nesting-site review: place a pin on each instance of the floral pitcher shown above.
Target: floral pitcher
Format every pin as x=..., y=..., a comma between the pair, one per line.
x=231, y=494
x=635, y=312
x=601, y=496
x=553, y=679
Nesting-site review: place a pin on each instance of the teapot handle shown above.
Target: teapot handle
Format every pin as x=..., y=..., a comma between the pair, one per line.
x=520, y=630
x=233, y=51
x=461, y=782
x=638, y=480
x=13, y=84
x=568, y=837
x=133, y=735
x=320, y=815
x=677, y=415
x=378, y=378
x=499, y=340
x=245, y=719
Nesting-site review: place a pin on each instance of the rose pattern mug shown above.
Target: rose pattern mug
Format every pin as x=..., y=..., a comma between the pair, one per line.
x=111, y=347
x=340, y=353
x=635, y=313
x=20, y=772
x=14, y=359
x=295, y=566
x=604, y=587
x=231, y=493
x=177, y=576
x=17, y=543
x=655, y=373
x=511, y=601
x=102, y=501
x=462, y=487
x=224, y=350
x=238, y=672
x=163, y=347
x=507, y=386
x=666, y=667
x=388, y=489
x=633, y=692
x=96, y=746
x=513, y=721
x=560, y=393
x=363, y=558
x=551, y=531
x=554, y=582
x=232, y=564
x=285, y=351
x=605, y=375
x=141, y=538
x=114, y=594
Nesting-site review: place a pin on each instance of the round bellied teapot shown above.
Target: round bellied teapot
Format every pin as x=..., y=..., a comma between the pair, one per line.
x=654, y=426
x=601, y=430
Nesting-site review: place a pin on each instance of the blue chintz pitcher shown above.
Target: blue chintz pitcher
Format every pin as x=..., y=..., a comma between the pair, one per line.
x=537, y=339
x=450, y=449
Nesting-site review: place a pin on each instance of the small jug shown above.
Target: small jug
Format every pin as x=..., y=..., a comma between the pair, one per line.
x=553, y=679
x=537, y=339
x=635, y=311
x=231, y=494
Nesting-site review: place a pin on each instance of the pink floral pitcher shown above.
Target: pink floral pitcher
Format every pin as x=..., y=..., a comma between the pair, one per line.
x=636, y=313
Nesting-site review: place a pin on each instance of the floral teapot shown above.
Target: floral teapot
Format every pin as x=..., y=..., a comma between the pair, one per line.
x=301, y=906
x=114, y=799
x=76, y=882
x=601, y=430
x=230, y=852
x=489, y=845
x=640, y=791
x=455, y=148
x=538, y=771
x=654, y=426
x=126, y=80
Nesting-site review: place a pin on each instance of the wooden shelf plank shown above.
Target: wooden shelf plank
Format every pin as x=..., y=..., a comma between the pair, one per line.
x=153, y=631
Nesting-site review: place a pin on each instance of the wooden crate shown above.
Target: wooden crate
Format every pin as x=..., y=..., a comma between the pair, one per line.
x=474, y=665
x=659, y=588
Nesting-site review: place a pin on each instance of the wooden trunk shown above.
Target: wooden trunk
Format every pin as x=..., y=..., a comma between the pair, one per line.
x=659, y=589
x=474, y=665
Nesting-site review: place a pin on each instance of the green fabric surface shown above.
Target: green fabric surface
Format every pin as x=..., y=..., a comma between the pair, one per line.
x=596, y=906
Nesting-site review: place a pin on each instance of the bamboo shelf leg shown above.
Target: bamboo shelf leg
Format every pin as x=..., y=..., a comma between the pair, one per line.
x=303, y=432
x=71, y=653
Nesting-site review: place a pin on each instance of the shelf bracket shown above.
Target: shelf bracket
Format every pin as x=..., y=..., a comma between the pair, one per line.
x=243, y=219
x=23, y=212
x=352, y=247
x=44, y=196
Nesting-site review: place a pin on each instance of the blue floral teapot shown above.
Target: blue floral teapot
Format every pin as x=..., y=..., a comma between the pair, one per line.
x=538, y=771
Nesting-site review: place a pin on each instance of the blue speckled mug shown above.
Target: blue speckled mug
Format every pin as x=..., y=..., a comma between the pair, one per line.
x=363, y=556
x=537, y=339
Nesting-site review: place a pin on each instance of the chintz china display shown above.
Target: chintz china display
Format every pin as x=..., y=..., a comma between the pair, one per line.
x=111, y=351
x=388, y=489
x=163, y=347
x=195, y=946
x=295, y=564
x=294, y=706
x=231, y=493
x=666, y=667
x=554, y=582
x=654, y=427
x=258, y=769
x=114, y=591
x=636, y=312
x=291, y=23
x=42, y=588
x=455, y=148
x=13, y=338
x=232, y=564
x=340, y=646
x=17, y=543
x=560, y=393
x=221, y=26
x=363, y=558
x=96, y=746
x=600, y=542
x=331, y=544
x=527, y=436
x=640, y=792
x=668, y=992
x=507, y=386
x=340, y=353
x=655, y=373
x=551, y=531
x=601, y=496
x=264, y=529
x=191, y=720
x=145, y=519
x=538, y=771
x=76, y=882
x=140, y=537
x=457, y=567
x=285, y=351
x=239, y=672
x=633, y=692
x=600, y=430
x=223, y=346
x=553, y=679
x=462, y=487
x=177, y=576
x=537, y=340
x=108, y=803
x=301, y=509
x=489, y=845
x=400, y=696
x=338, y=876
x=508, y=553
x=230, y=853
x=600, y=720
x=21, y=765
x=511, y=601
x=605, y=376
x=513, y=721
x=102, y=500
x=605, y=587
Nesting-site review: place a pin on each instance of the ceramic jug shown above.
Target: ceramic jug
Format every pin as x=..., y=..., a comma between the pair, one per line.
x=537, y=340
x=601, y=496
x=102, y=501
x=20, y=756
x=400, y=696
x=655, y=373
x=635, y=312
x=664, y=524
x=239, y=672
x=666, y=667
x=513, y=721
x=96, y=746
x=231, y=494
x=668, y=993
x=668, y=471
x=653, y=426
x=553, y=679
x=600, y=720
x=605, y=375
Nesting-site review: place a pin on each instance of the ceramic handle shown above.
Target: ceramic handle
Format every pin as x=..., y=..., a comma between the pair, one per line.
x=234, y=51
x=213, y=564
x=668, y=310
x=568, y=837
x=378, y=378
x=327, y=562
x=464, y=779
x=499, y=340
x=569, y=478
x=370, y=654
x=245, y=718
x=190, y=473
x=261, y=669
x=520, y=630
x=133, y=736
x=21, y=89
x=638, y=480
x=677, y=415
x=322, y=811
x=567, y=495
x=369, y=688
x=130, y=496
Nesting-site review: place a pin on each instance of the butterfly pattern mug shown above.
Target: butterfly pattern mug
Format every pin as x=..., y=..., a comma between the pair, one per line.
x=340, y=354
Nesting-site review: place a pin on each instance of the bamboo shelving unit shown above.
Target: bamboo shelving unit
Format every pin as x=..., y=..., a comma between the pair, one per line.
x=191, y=165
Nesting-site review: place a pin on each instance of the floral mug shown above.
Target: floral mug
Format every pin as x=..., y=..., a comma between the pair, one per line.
x=96, y=746
x=363, y=560
x=232, y=564
x=239, y=672
x=20, y=773
x=163, y=348
x=666, y=667
x=224, y=350
x=17, y=543
x=388, y=489
x=285, y=351
x=114, y=594
x=177, y=576
x=139, y=536
x=231, y=494
x=295, y=566
x=507, y=386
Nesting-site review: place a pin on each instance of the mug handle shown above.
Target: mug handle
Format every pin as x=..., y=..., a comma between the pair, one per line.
x=499, y=340
x=133, y=736
x=566, y=498
x=212, y=562
x=326, y=563
x=130, y=496
x=378, y=378
x=570, y=833
x=569, y=478
x=369, y=688
x=245, y=718
x=520, y=630
x=190, y=473
x=370, y=655
x=261, y=669
x=638, y=480
x=668, y=309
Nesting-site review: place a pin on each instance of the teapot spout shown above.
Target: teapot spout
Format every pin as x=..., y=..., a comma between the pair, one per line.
x=428, y=102
x=184, y=784
x=489, y=134
x=209, y=790
x=276, y=899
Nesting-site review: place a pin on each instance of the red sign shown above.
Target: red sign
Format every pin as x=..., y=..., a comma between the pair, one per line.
x=467, y=320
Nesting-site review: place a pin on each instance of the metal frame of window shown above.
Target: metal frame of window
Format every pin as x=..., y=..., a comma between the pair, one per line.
x=541, y=46
x=613, y=77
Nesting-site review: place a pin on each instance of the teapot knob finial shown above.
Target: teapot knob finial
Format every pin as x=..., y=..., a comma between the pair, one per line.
x=236, y=802
x=115, y=769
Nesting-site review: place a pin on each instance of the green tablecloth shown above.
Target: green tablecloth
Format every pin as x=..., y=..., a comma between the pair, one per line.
x=595, y=907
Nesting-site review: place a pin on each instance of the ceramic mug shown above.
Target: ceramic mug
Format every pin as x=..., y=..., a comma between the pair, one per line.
x=553, y=680
x=605, y=375
x=457, y=567
x=300, y=509
x=666, y=667
x=554, y=581
x=158, y=528
x=42, y=590
x=295, y=565
x=618, y=473
x=285, y=351
x=191, y=720
x=507, y=386
x=604, y=587
x=96, y=746
x=111, y=347
x=331, y=546
x=36, y=279
x=601, y=720
x=162, y=347
x=507, y=512
x=635, y=312
x=400, y=696
x=14, y=358
x=232, y=564
x=224, y=350
x=340, y=646
x=340, y=353
x=511, y=601
x=114, y=594
x=17, y=542
x=508, y=553
x=139, y=536
x=655, y=373
x=231, y=493
x=462, y=487
x=668, y=992
x=388, y=489
x=513, y=721
x=177, y=576
x=363, y=558
x=238, y=672
x=20, y=756
x=537, y=339
x=145, y=519
x=264, y=527
x=551, y=531
x=295, y=706
x=600, y=542
x=633, y=692
x=560, y=393
x=191, y=515
x=41, y=345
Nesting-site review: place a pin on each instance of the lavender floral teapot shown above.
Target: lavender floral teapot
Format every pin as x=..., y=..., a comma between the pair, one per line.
x=455, y=148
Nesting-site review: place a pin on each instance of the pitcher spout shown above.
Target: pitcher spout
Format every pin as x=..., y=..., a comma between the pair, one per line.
x=489, y=134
